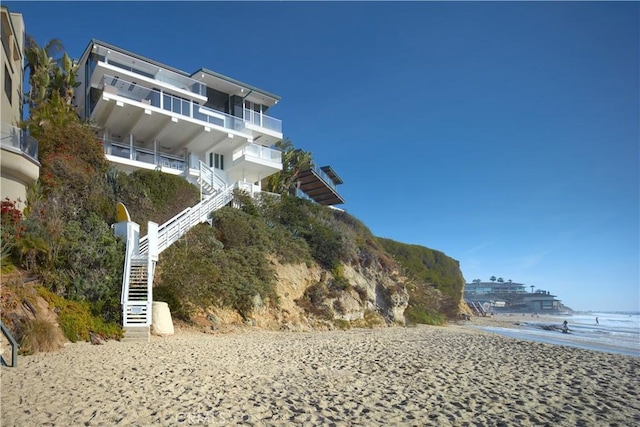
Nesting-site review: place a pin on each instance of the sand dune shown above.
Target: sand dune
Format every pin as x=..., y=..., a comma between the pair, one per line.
x=397, y=376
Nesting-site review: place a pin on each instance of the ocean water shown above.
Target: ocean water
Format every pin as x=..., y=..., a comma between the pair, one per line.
x=614, y=333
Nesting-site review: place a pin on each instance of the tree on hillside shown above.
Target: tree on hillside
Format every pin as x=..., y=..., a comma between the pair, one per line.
x=492, y=278
x=510, y=281
x=51, y=86
x=40, y=65
x=476, y=281
x=294, y=161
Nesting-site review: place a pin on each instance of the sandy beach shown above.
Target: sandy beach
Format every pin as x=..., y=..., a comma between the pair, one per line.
x=397, y=376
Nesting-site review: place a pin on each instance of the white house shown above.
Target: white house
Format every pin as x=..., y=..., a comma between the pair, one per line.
x=209, y=128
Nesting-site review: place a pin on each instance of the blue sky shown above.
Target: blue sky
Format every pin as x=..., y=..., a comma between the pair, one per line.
x=504, y=134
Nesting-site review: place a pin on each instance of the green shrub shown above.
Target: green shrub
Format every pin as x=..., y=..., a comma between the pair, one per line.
x=152, y=195
x=76, y=321
x=417, y=315
x=229, y=277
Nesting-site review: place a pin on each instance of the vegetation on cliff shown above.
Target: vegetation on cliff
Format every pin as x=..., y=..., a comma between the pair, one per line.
x=437, y=285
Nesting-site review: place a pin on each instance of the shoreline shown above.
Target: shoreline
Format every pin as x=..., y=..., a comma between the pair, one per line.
x=547, y=329
x=400, y=376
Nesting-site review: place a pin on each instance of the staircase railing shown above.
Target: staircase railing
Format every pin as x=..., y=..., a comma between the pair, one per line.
x=129, y=252
x=209, y=178
x=176, y=227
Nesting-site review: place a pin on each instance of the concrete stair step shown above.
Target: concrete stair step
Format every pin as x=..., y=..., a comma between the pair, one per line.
x=137, y=334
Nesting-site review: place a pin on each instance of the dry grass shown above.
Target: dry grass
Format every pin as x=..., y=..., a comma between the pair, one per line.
x=38, y=336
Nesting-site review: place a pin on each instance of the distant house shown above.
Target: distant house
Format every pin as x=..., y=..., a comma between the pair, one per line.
x=541, y=301
x=510, y=297
x=18, y=151
x=483, y=288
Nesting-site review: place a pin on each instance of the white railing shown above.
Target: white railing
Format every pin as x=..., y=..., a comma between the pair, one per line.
x=18, y=139
x=118, y=149
x=209, y=177
x=143, y=68
x=169, y=102
x=186, y=107
x=176, y=227
x=260, y=152
x=262, y=120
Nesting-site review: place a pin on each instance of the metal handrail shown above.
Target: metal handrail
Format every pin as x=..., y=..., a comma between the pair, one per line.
x=14, y=347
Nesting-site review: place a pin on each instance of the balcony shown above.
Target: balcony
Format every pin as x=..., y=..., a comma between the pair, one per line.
x=148, y=70
x=259, y=152
x=19, y=141
x=319, y=184
x=185, y=107
x=125, y=151
x=262, y=120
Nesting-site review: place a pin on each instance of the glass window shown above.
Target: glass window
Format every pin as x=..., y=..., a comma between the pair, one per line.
x=218, y=161
x=8, y=84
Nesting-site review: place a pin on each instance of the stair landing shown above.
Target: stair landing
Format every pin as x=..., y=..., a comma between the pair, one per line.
x=137, y=334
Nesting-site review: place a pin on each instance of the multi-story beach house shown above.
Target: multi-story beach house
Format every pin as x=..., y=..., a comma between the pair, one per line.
x=209, y=128
x=18, y=151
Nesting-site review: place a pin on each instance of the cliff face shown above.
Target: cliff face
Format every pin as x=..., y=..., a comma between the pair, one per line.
x=436, y=283
x=308, y=299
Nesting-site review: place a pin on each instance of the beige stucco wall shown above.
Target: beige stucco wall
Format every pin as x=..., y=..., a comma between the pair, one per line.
x=12, y=61
x=17, y=171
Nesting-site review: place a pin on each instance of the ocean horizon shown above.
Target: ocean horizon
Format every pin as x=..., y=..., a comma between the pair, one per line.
x=615, y=331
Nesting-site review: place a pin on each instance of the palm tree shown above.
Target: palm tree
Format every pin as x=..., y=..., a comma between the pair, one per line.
x=532, y=287
x=510, y=281
x=492, y=278
x=41, y=66
x=51, y=85
x=294, y=161
x=500, y=280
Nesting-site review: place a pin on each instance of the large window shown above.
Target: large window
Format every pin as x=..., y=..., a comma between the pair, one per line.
x=8, y=84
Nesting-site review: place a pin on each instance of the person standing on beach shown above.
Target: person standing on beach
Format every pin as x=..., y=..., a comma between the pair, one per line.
x=597, y=323
x=565, y=327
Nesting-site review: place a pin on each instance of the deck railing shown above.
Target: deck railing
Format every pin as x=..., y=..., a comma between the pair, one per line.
x=326, y=178
x=259, y=119
x=136, y=65
x=18, y=139
x=144, y=155
x=260, y=152
x=185, y=107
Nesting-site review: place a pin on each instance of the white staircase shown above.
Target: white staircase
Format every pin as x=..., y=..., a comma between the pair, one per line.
x=142, y=255
x=209, y=180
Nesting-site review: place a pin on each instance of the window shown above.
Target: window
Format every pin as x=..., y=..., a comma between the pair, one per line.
x=216, y=161
x=8, y=84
